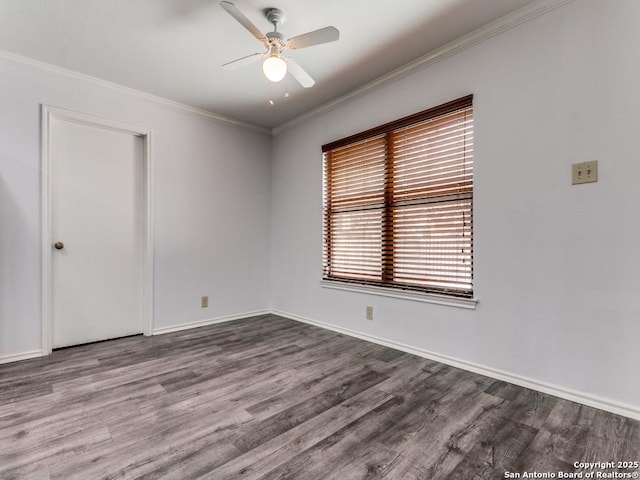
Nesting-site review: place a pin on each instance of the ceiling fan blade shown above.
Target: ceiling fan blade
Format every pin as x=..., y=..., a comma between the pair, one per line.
x=300, y=74
x=241, y=62
x=232, y=10
x=324, y=35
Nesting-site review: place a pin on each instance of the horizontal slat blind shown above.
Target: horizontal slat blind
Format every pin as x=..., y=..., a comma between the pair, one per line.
x=398, y=205
x=355, y=196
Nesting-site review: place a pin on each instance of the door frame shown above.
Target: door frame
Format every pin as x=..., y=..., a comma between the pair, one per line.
x=49, y=113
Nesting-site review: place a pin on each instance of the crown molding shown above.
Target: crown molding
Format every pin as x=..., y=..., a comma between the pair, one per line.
x=130, y=91
x=507, y=22
x=502, y=24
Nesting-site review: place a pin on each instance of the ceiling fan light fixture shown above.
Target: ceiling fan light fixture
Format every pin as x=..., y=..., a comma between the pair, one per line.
x=274, y=68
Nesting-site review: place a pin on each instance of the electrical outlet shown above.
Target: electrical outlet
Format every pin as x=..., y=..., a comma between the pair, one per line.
x=585, y=172
x=369, y=312
x=204, y=303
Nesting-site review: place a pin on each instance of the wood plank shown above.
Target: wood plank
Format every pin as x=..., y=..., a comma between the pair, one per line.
x=258, y=432
x=271, y=398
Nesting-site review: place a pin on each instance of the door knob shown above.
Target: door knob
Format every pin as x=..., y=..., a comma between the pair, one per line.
x=58, y=245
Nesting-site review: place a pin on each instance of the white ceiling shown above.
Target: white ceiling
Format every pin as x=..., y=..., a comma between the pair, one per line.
x=174, y=48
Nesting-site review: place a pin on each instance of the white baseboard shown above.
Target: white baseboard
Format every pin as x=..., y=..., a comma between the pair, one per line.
x=208, y=321
x=561, y=392
x=15, y=357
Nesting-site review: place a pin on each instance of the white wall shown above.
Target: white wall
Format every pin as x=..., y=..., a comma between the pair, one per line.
x=556, y=266
x=211, y=184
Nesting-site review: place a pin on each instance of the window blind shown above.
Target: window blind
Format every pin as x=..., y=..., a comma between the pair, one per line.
x=398, y=203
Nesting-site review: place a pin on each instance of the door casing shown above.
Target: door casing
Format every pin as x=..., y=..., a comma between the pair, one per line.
x=48, y=114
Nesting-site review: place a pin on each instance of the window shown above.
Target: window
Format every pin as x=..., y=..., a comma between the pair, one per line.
x=398, y=203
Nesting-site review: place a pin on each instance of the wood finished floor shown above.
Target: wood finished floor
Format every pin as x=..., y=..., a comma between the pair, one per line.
x=270, y=398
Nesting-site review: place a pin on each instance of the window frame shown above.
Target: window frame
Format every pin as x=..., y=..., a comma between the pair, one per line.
x=440, y=295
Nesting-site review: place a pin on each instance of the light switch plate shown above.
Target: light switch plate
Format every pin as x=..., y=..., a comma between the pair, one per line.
x=204, y=303
x=585, y=172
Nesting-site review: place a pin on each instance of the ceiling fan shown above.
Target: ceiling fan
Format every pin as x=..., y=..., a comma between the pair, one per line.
x=276, y=65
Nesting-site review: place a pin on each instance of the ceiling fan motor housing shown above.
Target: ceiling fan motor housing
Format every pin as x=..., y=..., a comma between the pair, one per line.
x=276, y=38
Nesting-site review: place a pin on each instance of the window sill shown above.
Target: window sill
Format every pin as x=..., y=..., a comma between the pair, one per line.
x=469, y=303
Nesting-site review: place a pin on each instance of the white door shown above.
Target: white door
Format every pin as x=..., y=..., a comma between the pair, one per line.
x=97, y=227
